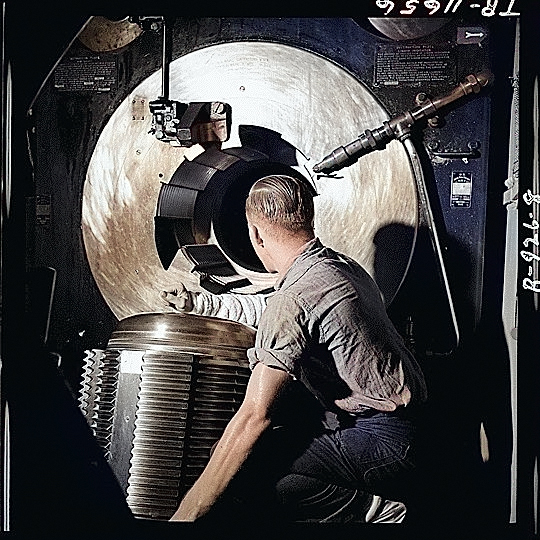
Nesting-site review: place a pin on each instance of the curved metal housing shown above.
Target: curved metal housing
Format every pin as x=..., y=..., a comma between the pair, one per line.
x=205, y=197
x=159, y=397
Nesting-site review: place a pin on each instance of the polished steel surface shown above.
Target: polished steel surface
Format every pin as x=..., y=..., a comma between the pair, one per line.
x=178, y=331
x=159, y=397
x=313, y=103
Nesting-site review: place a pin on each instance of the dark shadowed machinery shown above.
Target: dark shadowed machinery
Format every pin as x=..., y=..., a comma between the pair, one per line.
x=143, y=138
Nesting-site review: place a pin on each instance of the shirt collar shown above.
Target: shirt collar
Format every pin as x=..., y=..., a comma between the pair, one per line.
x=303, y=252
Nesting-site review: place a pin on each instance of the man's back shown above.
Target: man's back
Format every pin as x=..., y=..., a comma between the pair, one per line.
x=328, y=326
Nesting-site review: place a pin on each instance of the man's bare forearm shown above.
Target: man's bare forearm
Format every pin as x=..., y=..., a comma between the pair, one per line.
x=236, y=443
x=231, y=452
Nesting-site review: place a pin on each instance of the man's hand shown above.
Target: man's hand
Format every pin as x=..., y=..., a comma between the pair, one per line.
x=179, y=299
x=189, y=509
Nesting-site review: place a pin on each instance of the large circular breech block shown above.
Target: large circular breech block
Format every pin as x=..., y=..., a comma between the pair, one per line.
x=290, y=107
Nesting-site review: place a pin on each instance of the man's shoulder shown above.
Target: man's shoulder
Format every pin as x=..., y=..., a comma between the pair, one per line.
x=304, y=271
x=326, y=270
x=317, y=275
x=324, y=260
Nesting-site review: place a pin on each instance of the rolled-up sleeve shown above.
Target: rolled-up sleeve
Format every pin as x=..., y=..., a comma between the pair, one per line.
x=282, y=337
x=243, y=308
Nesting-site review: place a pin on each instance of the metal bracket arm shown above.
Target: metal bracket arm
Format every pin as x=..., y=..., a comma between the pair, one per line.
x=400, y=126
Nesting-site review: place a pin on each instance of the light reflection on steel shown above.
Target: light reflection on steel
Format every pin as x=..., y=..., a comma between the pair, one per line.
x=307, y=100
x=159, y=397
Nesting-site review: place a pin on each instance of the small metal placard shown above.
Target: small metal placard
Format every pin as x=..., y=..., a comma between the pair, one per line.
x=471, y=35
x=43, y=209
x=83, y=73
x=461, y=190
x=138, y=108
x=413, y=65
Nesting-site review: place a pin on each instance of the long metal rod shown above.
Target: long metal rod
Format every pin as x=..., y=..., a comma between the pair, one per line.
x=534, y=264
x=509, y=301
x=55, y=65
x=425, y=208
x=6, y=181
x=6, y=470
x=165, y=57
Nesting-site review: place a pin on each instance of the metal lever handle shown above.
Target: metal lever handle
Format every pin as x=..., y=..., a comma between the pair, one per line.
x=400, y=126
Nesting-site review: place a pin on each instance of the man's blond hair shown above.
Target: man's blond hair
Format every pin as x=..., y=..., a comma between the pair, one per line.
x=282, y=200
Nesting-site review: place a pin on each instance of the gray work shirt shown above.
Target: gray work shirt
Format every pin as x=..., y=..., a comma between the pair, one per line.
x=327, y=326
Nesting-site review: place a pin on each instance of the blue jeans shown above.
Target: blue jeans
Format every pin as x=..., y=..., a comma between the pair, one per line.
x=334, y=479
x=294, y=476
